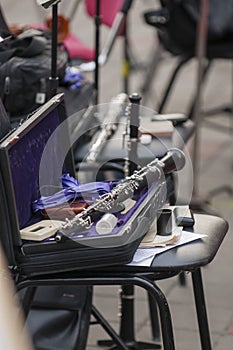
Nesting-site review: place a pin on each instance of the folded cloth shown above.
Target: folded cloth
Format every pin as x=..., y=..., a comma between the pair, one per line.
x=73, y=190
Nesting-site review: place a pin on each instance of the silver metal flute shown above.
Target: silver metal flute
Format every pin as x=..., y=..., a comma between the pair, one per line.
x=115, y=111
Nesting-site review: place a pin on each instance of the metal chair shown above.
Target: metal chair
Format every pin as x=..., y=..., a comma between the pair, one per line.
x=175, y=18
x=189, y=257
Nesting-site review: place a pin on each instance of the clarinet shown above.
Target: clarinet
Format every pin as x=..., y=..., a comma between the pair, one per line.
x=115, y=111
x=131, y=162
x=125, y=189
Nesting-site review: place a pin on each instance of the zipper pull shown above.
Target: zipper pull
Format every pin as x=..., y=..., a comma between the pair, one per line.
x=41, y=95
x=7, y=85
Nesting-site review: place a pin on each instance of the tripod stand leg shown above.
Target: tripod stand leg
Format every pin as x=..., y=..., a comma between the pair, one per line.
x=127, y=323
x=108, y=329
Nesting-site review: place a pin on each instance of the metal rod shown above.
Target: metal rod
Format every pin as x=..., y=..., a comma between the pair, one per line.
x=201, y=310
x=97, y=45
x=200, y=53
x=53, y=79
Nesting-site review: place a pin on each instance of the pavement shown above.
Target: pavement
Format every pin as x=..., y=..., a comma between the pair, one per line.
x=214, y=170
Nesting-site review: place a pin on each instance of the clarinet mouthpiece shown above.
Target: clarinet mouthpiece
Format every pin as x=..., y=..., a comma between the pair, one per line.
x=174, y=160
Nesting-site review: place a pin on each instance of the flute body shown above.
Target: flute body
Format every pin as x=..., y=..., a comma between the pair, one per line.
x=115, y=111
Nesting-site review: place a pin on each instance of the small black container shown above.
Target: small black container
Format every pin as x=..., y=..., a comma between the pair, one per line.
x=164, y=222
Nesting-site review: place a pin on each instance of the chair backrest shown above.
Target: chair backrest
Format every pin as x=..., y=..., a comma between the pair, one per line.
x=108, y=10
x=185, y=15
x=175, y=18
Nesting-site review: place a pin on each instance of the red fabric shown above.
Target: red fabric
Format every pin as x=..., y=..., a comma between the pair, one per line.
x=108, y=10
x=77, y=49
x=75, y=46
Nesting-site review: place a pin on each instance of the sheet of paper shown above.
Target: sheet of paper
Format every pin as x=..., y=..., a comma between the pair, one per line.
x=145, y=256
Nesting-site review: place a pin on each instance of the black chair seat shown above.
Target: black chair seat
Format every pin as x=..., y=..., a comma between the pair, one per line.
x=186, y=257
x=199, y=253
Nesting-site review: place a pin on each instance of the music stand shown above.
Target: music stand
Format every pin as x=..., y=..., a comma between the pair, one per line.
x=53, y=79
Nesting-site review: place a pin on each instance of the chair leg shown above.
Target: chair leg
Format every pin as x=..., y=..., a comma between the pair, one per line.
x=204, y=76
x=28, y=299
x=154, y=318
x=171, y=82
x=201, y=310
x=165, y=317
x=150, y=71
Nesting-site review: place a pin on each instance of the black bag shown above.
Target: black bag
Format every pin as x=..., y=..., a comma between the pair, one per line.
x=59, y=317
x=25, y=68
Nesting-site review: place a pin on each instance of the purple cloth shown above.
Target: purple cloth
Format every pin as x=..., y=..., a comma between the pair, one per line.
x=73, y=78
x=72, y=190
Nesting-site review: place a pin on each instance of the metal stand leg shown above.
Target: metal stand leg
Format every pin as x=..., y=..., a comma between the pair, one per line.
x=101, y=320
x=127, y=333
x=201, y=310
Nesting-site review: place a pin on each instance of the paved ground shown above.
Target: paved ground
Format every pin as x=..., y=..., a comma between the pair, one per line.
x=215, y=169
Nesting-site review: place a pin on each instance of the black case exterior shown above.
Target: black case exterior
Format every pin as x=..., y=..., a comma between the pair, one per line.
x=36, y=258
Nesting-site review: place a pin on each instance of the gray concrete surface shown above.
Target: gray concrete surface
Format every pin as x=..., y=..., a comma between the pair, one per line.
x=215, y=169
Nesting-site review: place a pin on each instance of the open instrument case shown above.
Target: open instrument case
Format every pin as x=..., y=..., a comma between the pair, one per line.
x=25, y=158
